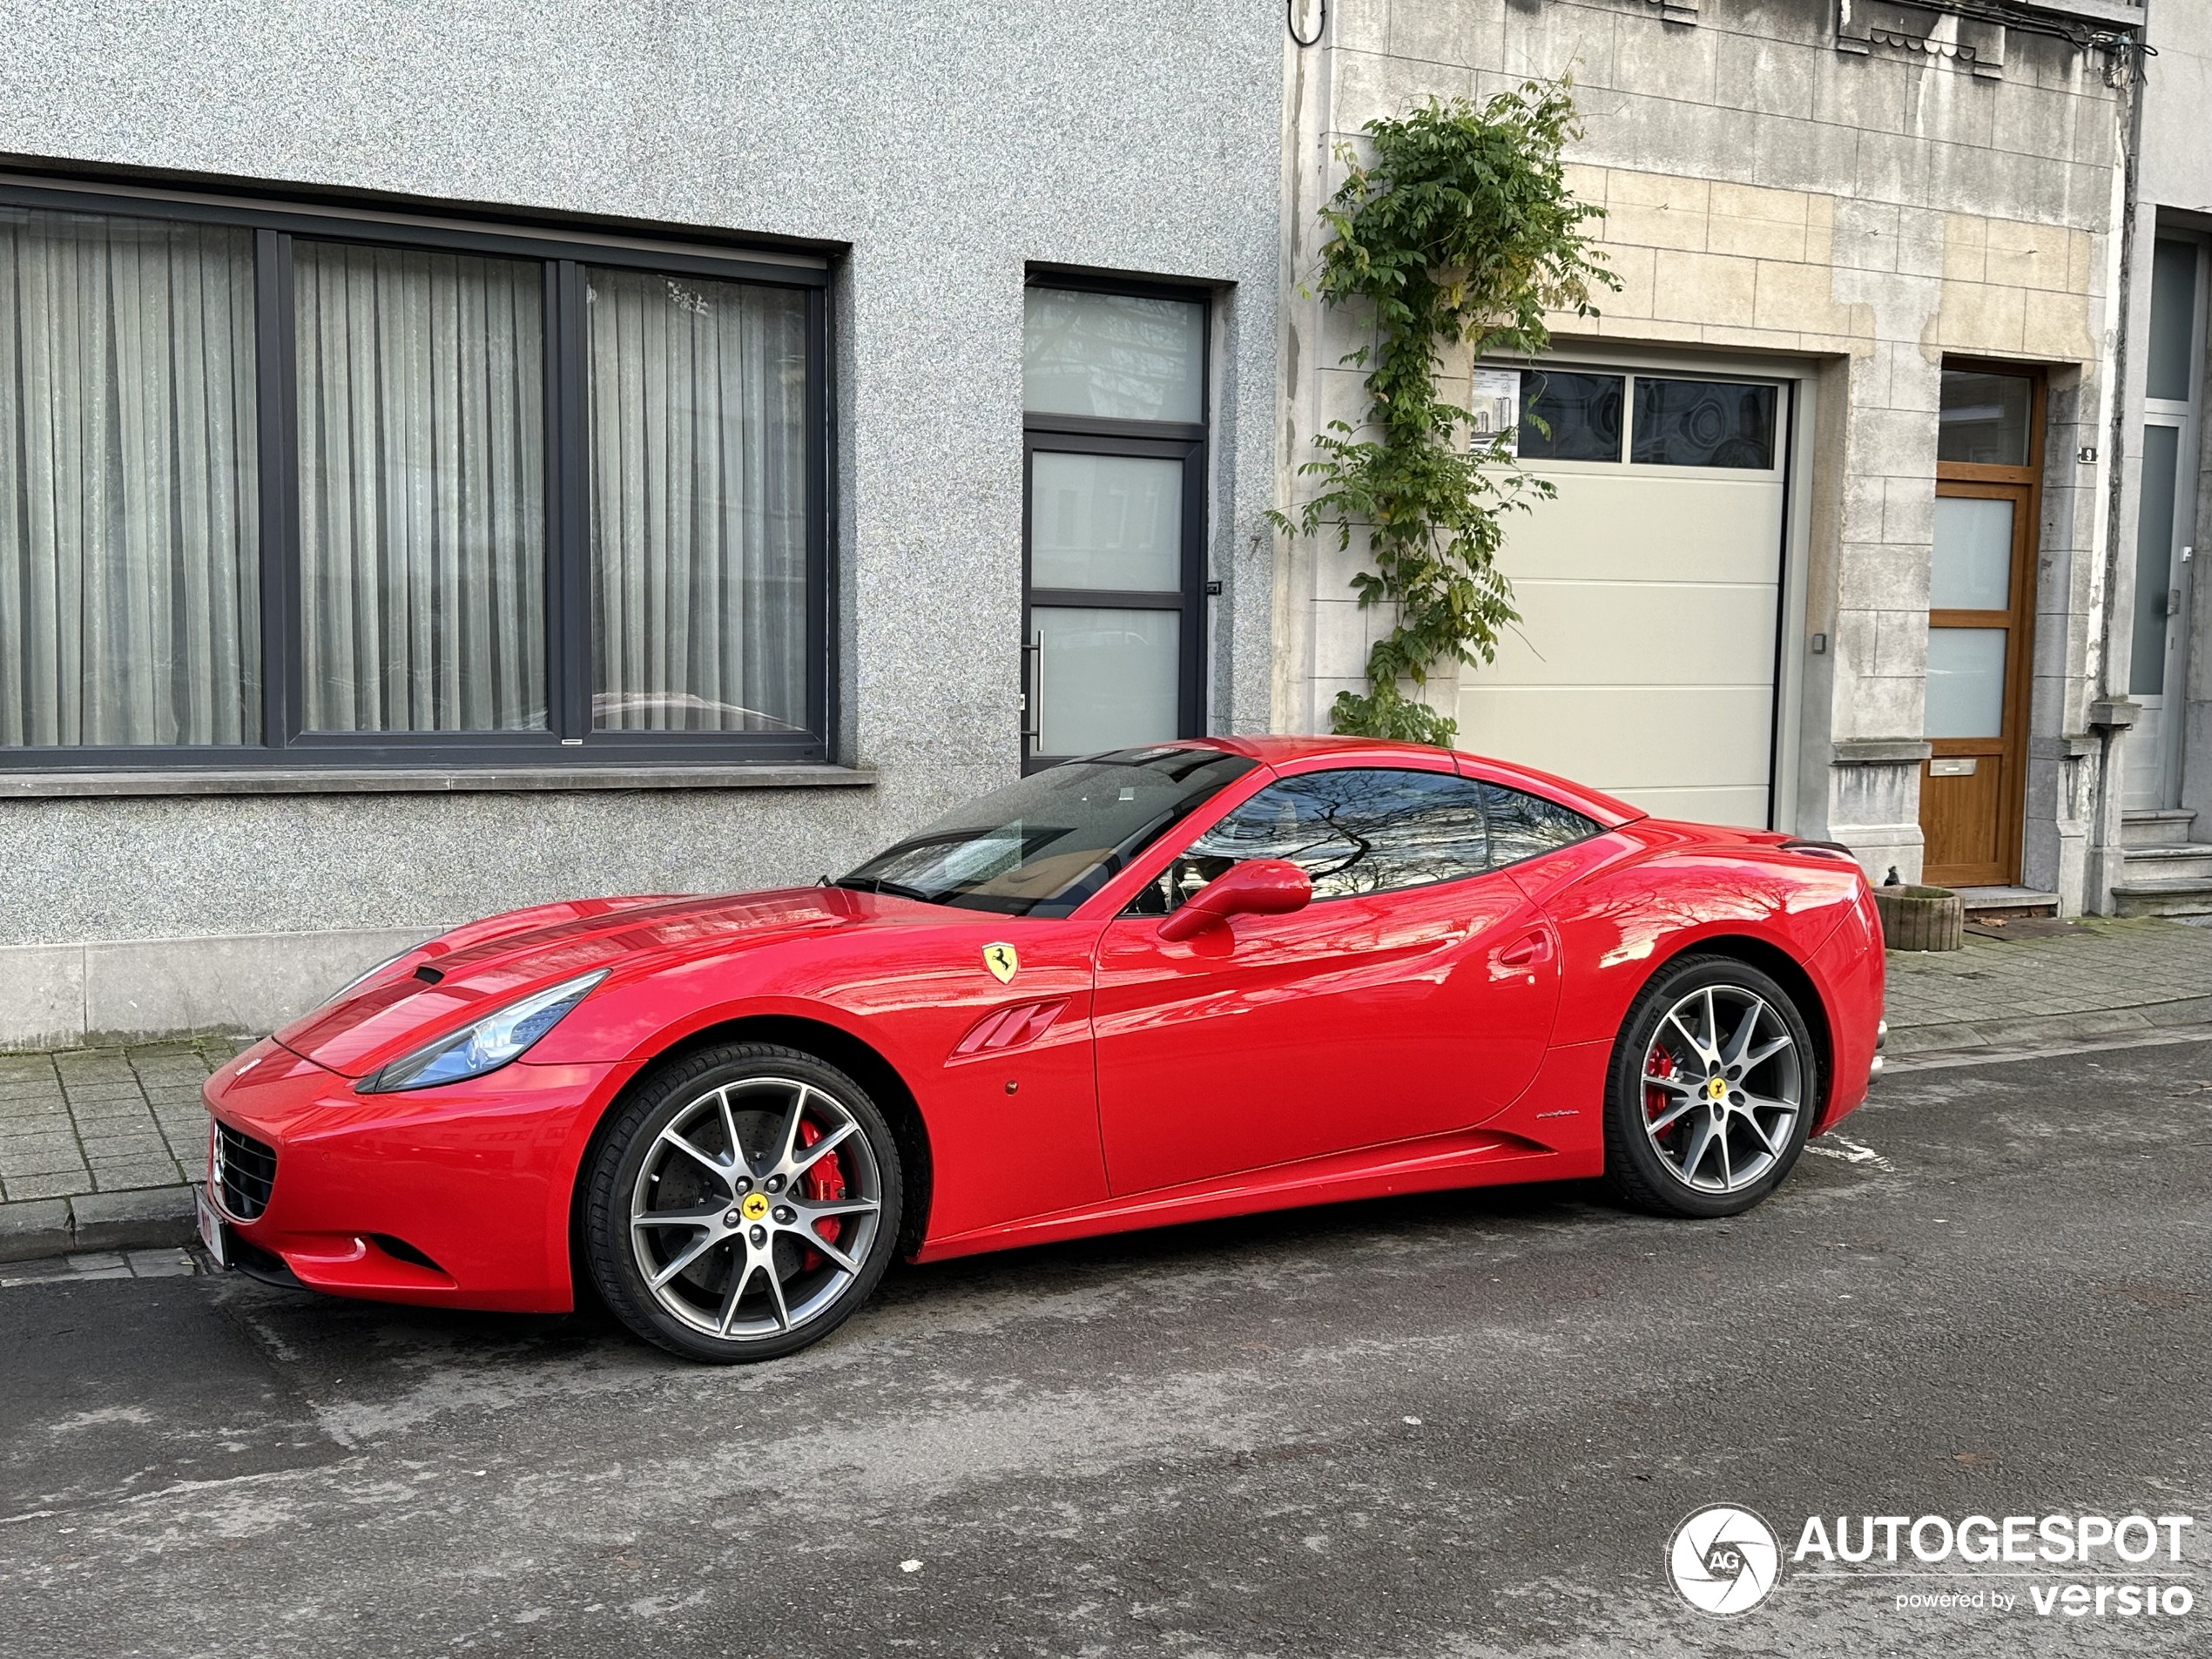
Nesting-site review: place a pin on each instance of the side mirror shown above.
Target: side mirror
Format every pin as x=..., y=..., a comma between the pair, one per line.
x=1256, y=887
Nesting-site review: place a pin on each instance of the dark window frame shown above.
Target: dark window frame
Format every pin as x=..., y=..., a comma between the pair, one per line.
x=1624, y=456
x=570, y=737
x=1090, y=434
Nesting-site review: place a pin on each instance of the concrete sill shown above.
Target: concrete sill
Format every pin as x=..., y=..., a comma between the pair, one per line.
x=1882, y=751
x=365, y=780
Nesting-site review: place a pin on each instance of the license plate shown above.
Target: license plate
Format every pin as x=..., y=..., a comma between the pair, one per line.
x=213, y=1231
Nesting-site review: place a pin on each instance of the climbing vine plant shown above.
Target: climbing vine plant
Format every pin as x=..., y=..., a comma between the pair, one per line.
x=1457, y=226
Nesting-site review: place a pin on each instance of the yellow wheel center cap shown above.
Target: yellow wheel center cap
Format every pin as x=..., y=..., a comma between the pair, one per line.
x=754, y=1207
x=1716, y=1090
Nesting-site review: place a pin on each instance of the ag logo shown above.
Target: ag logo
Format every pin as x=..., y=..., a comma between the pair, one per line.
x=1002, y=961
x=1725, y=1560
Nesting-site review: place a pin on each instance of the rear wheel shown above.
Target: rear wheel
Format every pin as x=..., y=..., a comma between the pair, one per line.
x=743, y=1205
x=1712, y=1090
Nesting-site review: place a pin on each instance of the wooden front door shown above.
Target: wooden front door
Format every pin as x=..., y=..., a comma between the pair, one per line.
x=1980, y=643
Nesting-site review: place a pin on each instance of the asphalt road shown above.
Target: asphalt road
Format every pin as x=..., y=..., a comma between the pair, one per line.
x=1463, y=1425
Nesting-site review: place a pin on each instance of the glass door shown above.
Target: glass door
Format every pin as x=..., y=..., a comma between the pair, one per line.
x=1113, y=520
x=1981, y=614
x=1108, y=609
x=2165, y=527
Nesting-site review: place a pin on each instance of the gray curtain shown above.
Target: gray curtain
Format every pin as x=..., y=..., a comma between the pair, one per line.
x=699, y=505
x=421, y=489
x=129, y=510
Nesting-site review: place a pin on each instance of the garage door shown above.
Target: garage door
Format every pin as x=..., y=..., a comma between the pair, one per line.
x=1650, y=589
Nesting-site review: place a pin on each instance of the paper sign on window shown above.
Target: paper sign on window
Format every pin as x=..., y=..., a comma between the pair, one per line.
x=1493, y=409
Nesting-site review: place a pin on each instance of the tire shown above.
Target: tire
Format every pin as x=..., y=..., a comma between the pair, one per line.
x=1672, y=1146
x=805, y=1235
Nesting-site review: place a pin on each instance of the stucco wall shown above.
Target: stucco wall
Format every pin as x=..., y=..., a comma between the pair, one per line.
x=948, y=145
x=1859, y=214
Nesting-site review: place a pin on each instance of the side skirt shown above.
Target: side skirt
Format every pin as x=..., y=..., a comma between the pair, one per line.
x=1461, y=1158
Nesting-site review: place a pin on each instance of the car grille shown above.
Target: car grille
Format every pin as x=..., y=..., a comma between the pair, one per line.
x=247, y=1168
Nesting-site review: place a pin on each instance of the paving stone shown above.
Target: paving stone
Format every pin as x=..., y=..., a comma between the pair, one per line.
x=57, y=1185
x=36, y=1166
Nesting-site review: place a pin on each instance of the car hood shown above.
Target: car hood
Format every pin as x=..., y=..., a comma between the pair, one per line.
x=460, y=976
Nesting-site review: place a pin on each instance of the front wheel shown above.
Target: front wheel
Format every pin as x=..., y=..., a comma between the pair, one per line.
x=1712, y=1090
x=743, y=1204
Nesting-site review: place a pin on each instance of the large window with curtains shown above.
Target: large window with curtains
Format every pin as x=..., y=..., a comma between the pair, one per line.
x=283, y=487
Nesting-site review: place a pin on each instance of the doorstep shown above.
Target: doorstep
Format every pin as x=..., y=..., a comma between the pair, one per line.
x=2007, y=901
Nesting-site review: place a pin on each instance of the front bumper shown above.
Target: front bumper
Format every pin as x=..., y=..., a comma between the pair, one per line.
x=458, y=1195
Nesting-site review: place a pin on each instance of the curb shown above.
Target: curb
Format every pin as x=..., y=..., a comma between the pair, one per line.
x=2046, y=1030
x=146, y=1218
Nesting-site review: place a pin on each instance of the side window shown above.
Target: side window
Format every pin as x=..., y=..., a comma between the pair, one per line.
x=1356, y=831
x=1523, y=826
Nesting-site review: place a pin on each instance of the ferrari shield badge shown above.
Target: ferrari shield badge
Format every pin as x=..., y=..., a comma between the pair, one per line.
x=1002, y=961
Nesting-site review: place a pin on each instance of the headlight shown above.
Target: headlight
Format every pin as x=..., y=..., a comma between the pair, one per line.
x=486, y=1045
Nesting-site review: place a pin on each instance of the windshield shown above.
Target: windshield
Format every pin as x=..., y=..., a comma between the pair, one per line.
x=1042, y=846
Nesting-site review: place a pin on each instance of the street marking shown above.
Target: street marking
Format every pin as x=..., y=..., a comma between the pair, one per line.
x=1856, y=1154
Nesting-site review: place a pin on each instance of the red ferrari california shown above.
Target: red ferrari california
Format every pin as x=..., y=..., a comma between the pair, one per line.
x=1160, y=985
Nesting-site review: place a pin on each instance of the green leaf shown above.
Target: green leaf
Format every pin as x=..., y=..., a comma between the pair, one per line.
x=1458, y=228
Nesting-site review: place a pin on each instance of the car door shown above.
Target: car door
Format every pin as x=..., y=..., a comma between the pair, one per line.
x=1414, y=996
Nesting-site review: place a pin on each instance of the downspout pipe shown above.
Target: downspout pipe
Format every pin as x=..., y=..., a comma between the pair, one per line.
x=2113, y=713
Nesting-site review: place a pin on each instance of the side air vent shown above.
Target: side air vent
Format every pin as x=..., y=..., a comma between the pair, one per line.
x=399, y=1250
x=1004, y=1029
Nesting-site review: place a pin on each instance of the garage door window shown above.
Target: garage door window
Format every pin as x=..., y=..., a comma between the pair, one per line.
x=1576, y=414
x=1704, y=423
x=1571, y=417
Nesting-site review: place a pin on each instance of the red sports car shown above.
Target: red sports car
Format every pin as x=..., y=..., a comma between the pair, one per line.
x=1160, y=985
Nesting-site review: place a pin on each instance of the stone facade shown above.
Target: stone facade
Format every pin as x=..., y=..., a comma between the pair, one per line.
x=1781, y=184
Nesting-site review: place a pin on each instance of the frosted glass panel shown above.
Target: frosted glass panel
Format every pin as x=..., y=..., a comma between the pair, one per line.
x=1965, y=682
x=2173, y=321
x=1105, y=521
x=1109, y=678
x=1985, y=418
x=1113, y=356
x=1972, y=567
x=2154, y=559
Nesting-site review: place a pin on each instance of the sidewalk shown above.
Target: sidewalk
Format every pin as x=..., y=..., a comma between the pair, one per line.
x=2039, y=982
x=97, y=1145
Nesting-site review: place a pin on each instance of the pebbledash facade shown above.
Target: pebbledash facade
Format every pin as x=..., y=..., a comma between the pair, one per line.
x=453, y=462
x=456, y=458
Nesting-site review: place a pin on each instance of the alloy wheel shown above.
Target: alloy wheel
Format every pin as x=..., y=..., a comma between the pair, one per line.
x=1723, y=1086
x=756, y=1208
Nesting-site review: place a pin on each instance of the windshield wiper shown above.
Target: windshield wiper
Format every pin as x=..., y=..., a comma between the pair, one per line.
x=876, y=884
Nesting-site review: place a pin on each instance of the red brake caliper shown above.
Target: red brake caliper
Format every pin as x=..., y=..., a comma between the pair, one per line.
x=1658, y=1063
x=824, y=1183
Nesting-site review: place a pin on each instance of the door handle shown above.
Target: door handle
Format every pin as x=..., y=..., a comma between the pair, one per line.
x=1528, y=951
x=1033, y=692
